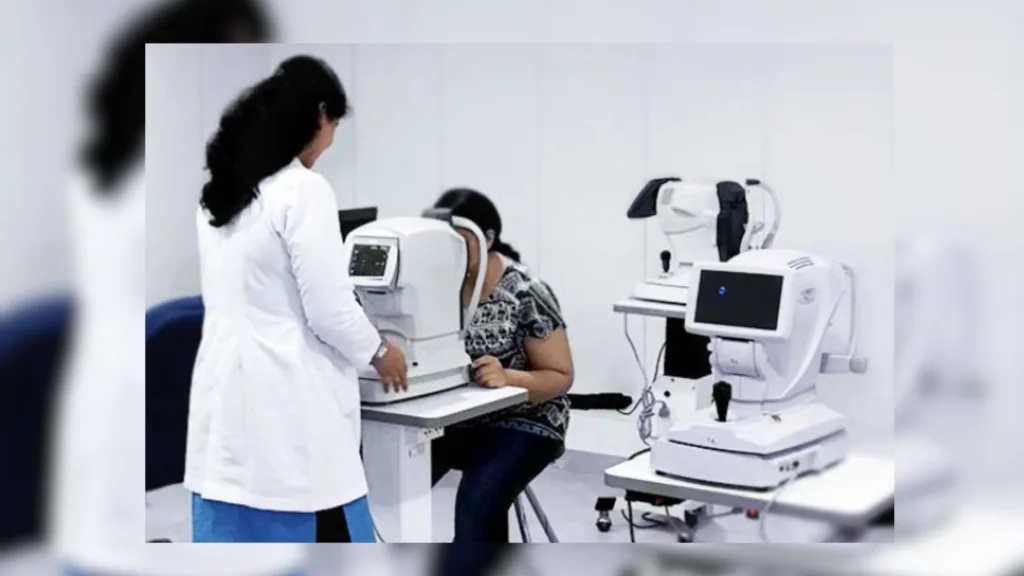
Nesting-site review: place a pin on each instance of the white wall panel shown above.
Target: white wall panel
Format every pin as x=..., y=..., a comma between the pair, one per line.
x=593, y=161
x=491, y=135
x=397, y=127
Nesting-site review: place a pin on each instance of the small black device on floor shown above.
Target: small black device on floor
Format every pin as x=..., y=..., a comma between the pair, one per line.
x=689, y=518
x=604, y=506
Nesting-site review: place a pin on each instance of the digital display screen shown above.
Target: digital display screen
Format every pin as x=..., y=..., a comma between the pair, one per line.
x=739, y=299
x=368, y=260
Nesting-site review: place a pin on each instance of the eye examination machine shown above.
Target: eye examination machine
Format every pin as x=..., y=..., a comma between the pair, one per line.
x=770, y=316
x=702, y=221
x=408, y=274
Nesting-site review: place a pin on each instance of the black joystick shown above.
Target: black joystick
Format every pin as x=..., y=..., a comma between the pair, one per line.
x=666, y=260
x=721, y=393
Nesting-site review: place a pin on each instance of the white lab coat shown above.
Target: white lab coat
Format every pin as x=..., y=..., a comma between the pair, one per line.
x=274, y=417
x=97, y=513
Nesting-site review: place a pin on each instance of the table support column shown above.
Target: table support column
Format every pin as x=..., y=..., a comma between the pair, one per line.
x=397, y=462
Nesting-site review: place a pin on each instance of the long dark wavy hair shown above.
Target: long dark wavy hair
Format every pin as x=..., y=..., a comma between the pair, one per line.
x=479, y=209
x=116, y=99
x=264, y=129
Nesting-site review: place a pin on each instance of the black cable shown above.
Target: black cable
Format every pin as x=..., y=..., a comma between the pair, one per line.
x=631, y=410
x=632, y=533
x=652, y=522
x=644, y=451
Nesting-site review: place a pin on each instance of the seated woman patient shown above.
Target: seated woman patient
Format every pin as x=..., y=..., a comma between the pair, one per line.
x=516, y=338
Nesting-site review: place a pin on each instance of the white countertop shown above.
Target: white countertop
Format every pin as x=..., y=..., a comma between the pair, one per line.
x=852, y=492
x=446, y=408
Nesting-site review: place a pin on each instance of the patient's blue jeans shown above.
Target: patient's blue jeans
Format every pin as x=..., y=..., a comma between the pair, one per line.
x=497, y=464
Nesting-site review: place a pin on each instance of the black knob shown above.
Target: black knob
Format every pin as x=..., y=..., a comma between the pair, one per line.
x=721, y=394
x=666, y=260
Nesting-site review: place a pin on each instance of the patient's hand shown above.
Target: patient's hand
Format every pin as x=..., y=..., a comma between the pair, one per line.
x=489, y=372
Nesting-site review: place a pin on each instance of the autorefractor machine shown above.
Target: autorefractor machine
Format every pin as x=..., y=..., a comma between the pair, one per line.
x=771, y=318
x=702, y=221
x=408, y=274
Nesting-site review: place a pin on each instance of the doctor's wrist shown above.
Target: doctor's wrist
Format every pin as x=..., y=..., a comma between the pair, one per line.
x=381, y=352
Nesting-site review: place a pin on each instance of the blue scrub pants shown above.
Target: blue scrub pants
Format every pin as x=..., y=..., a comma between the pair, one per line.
x=214, y=521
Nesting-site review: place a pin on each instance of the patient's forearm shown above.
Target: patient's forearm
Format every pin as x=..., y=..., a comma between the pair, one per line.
x=540, y=384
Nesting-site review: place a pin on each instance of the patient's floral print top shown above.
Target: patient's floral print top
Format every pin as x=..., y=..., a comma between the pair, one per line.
x=520, y=306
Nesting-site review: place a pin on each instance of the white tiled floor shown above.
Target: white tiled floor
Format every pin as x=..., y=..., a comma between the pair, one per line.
x=568, y=499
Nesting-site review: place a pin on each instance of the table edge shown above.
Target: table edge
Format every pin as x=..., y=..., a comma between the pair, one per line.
x=369, y=414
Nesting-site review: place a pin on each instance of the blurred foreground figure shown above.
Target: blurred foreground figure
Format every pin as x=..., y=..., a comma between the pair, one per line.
x=33, y=343
x=471, y=559
x=96, y=509
x=935, y=360
x=116, y=101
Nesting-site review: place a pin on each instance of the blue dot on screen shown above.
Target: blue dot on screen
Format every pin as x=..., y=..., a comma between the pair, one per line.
x=721, y=290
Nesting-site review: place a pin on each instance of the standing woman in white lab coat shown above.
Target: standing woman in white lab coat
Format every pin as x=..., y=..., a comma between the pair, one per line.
x=274, y=422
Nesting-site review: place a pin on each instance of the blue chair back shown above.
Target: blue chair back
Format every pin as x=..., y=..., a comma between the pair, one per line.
x=173, y=332
x=33, y=345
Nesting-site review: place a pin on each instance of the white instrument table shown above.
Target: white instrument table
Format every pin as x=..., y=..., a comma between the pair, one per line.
x=445, y=408
x=850, y=494
x=396, y=452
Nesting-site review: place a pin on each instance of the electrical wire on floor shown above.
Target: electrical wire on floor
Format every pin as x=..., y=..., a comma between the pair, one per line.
x=647, y=400
x=377, y=532
x=762, y=526
x=648, y=517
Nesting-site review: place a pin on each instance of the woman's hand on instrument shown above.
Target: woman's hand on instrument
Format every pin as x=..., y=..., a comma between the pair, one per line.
x=392, y=367
x=489, y=372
